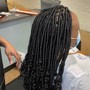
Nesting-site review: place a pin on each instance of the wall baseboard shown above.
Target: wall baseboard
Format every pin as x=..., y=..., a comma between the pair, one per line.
x=9, y=67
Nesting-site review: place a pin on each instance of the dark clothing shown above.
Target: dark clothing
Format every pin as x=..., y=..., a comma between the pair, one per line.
x=79, y=46
x=2, y=80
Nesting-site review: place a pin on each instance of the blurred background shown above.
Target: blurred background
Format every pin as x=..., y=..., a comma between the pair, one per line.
x=80, y=7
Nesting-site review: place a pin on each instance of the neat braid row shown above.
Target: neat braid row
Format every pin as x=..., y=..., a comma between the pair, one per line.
x=48, y=49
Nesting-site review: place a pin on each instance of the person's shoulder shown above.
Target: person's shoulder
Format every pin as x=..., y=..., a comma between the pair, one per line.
x=75, y=21
x=73, y=14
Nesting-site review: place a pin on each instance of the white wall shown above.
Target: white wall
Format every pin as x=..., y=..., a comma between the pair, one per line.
x=17, y=32
x=82, y=9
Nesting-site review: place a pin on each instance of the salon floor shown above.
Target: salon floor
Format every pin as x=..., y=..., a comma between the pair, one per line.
x=13, y=80
x=11, y=75
x=85, y=48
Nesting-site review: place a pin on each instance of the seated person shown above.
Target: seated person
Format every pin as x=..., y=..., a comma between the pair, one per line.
x=76, y=42
x=48, y=48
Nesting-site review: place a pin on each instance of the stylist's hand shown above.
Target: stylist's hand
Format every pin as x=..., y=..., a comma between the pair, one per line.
x=10, y=51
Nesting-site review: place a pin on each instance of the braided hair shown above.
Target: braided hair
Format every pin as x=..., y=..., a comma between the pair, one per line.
x=48, y=49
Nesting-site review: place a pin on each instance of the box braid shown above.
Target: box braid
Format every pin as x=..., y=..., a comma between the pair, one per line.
x=48, y=49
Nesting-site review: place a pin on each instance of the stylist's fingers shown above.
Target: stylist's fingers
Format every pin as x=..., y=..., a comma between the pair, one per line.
x=10, y=59
x=17, y=56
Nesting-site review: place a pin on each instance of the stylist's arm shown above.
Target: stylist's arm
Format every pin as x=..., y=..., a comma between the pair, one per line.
x=9, y=50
